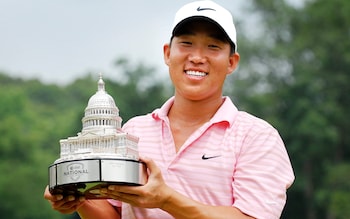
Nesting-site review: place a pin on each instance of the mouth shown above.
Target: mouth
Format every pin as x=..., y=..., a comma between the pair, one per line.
x=196, y=73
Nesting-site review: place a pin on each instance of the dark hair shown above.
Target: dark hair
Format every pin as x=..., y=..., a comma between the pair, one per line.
x=232, y=45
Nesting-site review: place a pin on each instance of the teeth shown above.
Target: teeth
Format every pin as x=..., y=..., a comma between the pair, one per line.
x=196, y=73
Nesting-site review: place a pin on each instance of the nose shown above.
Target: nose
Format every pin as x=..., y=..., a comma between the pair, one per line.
x=197, y=56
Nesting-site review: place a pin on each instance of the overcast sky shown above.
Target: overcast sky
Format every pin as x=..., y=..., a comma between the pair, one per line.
x=57, y=41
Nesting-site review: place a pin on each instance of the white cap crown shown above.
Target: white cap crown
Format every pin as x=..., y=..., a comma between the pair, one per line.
x=210, y=10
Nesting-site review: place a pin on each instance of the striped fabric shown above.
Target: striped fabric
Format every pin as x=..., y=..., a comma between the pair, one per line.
x=235, y=159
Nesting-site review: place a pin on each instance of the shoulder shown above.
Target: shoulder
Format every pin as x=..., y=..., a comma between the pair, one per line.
x=138, y=122
x=246, y=123
x=148, y=121
x=254, y=134
x=239, y=119
x=249, y=121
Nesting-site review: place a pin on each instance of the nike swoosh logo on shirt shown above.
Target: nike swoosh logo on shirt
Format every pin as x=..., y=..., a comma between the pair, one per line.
x=204, y=9
x=205, y=157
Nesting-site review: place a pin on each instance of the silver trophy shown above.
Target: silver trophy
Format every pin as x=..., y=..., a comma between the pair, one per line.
x=100, y=155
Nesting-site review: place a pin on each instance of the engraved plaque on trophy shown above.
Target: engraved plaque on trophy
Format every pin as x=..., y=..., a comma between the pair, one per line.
x=100, y=155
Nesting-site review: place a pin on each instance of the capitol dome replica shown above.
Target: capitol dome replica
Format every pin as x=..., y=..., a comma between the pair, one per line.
x=101, y=136
x=100, y=155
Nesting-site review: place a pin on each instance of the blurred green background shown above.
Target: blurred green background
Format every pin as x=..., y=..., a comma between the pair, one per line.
x=295, y=74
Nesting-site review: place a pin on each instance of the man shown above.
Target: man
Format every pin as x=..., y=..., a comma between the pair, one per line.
x=205, y=158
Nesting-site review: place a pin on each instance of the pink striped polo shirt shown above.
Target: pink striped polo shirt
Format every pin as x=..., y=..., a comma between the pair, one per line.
x=235, y=159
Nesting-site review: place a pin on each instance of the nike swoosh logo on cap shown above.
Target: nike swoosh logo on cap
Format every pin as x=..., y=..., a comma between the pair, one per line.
x=204, y=9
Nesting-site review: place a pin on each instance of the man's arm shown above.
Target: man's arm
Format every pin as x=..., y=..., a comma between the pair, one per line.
x=156, y=194
x=180, y=206
x=94, y=209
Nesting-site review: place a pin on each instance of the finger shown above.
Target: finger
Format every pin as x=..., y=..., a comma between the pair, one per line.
x=68, y=207
x=49, y=196
x=68, y=203
x=151, y=165
x=124, y=197
x=122, y=190
x=64, y=202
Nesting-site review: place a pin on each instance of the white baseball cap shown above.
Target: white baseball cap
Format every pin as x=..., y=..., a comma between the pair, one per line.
x=208, y=10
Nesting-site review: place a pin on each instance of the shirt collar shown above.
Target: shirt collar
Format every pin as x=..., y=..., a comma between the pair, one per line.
x=226, y=113
x=162, y=113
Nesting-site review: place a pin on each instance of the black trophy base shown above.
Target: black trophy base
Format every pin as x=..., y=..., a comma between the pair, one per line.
x=82, y=177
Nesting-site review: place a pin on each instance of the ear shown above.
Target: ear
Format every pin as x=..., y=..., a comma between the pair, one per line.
x=166, y=53
x=233, y=62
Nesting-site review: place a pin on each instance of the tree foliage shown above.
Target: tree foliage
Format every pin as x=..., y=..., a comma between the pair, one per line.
x=295, y=74
x=34, y=117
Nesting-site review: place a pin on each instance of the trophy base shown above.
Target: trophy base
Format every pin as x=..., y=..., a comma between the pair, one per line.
x=81, y=177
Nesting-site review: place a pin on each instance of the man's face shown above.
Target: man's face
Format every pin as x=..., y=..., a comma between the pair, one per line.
x=199, y=60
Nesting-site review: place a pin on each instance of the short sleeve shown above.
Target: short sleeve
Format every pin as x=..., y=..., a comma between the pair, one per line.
x=263, y=173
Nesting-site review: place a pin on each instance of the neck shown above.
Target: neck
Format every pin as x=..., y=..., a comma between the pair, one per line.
x=194, y=112
x=186, y=116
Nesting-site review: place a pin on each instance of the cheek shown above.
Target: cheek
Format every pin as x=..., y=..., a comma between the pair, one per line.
x=224, y=64
x=176, y=60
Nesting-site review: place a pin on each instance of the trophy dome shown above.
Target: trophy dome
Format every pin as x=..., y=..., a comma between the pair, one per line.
x=101, y=99
x=101, y=111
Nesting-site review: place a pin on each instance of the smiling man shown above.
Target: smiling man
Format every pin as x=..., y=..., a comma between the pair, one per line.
x=205, y=158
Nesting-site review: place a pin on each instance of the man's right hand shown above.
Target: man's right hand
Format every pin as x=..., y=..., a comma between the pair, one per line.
x=65, y=205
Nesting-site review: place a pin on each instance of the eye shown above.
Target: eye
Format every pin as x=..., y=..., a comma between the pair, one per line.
x=187, y=43
x=214, y=46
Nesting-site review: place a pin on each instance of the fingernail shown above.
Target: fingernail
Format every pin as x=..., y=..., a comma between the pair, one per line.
x=71, y=198
x=81, y=198
x=59, y=197
x=112, y=187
